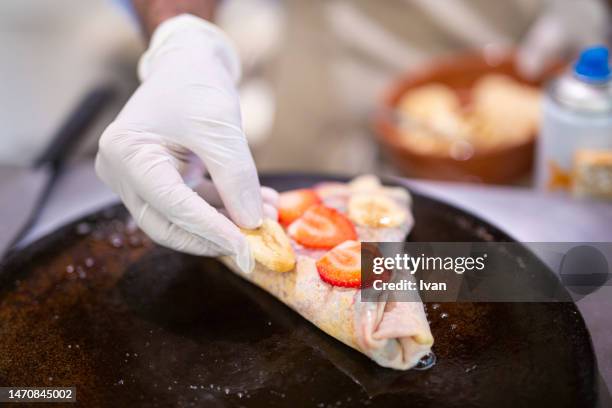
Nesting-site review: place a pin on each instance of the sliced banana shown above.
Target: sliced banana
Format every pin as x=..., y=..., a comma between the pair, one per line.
x=376, y=211
x=365, y=183
x=271, y=246
x=371, y=184
x=399, y=194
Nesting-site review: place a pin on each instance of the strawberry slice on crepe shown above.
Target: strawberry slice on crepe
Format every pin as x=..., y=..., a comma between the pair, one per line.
x=322, y=227
x=342, y=265
x=292, y=204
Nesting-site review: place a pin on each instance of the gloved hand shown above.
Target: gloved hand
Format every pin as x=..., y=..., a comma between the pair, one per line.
x=186, y=112
x=563, y=28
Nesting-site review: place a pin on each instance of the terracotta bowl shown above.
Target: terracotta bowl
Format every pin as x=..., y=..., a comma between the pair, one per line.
x=500, y=165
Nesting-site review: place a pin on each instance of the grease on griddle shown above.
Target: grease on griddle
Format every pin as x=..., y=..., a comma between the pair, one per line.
x=187, y=322
x=42, y=316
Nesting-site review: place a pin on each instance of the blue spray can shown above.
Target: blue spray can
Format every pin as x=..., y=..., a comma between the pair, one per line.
x=577, y=116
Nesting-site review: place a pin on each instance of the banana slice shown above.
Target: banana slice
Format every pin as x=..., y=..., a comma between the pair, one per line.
x=271, y=246
x=399, y=194
x=365, y=183
x=371, y=184
x=376, y=211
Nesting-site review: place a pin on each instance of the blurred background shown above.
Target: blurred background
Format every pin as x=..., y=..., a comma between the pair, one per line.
x=316, y=73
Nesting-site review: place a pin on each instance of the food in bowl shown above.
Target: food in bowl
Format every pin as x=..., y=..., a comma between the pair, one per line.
x=497, y=112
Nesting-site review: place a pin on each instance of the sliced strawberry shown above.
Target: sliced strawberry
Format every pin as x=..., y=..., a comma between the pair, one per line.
x=292, y=204
x=322, y=227
x=342, y=265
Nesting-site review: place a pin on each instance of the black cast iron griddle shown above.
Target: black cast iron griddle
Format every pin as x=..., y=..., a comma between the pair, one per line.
x=97, y=306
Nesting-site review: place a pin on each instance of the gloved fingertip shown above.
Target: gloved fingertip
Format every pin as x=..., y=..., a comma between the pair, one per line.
x=244, y=259
x=249, y=214
x=269, y=196
x=270, y=212
x=248, y=222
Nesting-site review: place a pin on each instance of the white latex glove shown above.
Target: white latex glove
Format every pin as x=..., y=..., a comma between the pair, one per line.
x=186, y=108
x=563, y=28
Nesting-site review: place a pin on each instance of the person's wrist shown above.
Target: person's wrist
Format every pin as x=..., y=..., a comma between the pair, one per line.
x=152, y=13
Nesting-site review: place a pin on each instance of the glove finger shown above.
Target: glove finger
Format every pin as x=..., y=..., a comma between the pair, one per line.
x=102, y=171
x=165, y=233
x=207, y=190
x=269, y=211
x=155, y=179
x=238, y=187
x=269, y=196
x=223, y=148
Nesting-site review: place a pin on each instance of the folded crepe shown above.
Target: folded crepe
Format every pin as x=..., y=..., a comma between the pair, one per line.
x=393, y=334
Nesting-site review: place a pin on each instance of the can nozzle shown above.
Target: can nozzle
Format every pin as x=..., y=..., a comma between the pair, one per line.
x=593, y=65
